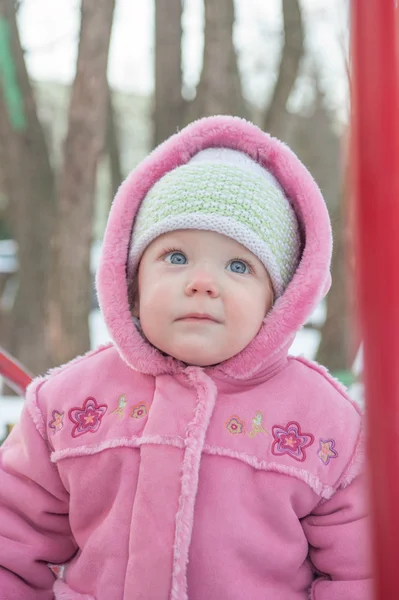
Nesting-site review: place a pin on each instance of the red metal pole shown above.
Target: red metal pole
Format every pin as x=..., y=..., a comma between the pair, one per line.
x=15, y=375
x=375, y=130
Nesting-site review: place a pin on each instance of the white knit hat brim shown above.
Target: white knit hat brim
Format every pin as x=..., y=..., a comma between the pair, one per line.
x=215, y=183
x=219, y=224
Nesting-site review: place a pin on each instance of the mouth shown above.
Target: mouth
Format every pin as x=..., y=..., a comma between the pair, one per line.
x=196, y=317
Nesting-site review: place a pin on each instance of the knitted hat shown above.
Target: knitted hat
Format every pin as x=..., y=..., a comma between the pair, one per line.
x=225, y=191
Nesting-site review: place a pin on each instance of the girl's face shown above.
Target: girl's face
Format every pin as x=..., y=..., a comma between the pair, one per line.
x=202, y=296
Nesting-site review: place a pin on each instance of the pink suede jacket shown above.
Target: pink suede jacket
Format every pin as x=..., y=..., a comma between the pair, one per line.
x=153, y=480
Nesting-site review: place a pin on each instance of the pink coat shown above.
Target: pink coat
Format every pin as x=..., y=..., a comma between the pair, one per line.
x=158, y=481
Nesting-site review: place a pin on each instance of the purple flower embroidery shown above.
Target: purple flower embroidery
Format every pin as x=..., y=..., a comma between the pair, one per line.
x=88, y=418
x=57, y=422
x=235, y=426
x=290, y=440
x=326, y=451
x=139, y=411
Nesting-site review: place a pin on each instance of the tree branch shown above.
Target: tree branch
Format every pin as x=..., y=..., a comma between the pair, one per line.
x=219, y=89
x=168, y=101
x=275, y=118
x=113, y=145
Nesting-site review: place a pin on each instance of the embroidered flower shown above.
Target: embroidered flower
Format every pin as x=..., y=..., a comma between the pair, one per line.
x=121, y=407
x=139, y=411
x=257, y=426
x=235, y=426
x=326, y=451
x=88, y=418
x=290, y=440
x=58, y=421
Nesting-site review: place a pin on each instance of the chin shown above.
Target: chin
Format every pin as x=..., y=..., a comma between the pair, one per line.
x=196, y=353
x=193, y=358
x=194, y=361
x=197, y=359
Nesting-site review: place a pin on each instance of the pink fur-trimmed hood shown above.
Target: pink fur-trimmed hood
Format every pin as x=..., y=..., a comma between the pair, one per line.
x=308, y=286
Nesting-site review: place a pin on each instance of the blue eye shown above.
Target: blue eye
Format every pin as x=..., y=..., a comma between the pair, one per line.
x=176, y=258
x=239, y=266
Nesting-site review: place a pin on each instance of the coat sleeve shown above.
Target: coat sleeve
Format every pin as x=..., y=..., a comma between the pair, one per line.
x=338, y=536
x=34, y=525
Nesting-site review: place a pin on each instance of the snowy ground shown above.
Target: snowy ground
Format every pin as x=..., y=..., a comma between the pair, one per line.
x=305, y=344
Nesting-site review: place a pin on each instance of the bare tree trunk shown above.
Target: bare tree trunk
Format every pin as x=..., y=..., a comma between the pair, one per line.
x=350, y=256
x=113, y=145
x=333, y=351
x=28, y=183
x=276, y=115
x=70, y=292
x=338, y=345
x=318, y=146
x=219, y=89
x=168, y=101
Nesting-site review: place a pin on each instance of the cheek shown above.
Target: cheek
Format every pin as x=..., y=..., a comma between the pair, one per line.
x=247, y=305
x=152, y=313
x=245, y=315
x=152, y=287
x=156, y=297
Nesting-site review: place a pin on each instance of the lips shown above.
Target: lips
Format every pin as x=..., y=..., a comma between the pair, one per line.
x=198, y=317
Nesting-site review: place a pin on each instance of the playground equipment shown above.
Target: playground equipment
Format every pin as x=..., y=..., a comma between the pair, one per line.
x=375, y=175
x=15, y=375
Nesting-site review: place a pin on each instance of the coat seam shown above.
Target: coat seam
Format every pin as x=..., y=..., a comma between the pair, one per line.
x=194, y=443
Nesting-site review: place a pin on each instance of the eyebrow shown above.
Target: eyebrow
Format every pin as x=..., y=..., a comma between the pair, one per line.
x=169, y=241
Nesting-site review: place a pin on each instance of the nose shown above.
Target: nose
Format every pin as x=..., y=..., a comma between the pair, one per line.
x=202, y=282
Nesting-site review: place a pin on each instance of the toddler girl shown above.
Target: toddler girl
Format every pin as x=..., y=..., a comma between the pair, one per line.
x=192, y=458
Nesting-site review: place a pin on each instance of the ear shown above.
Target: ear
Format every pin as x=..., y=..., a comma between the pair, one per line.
x=134, y=297
x=271, y=297
x=136, y=306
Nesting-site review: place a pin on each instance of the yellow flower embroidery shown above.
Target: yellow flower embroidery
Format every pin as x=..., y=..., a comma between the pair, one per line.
x=257, y=426
x=121, y=407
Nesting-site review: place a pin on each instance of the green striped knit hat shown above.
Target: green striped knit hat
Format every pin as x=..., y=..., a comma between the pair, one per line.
x=225, y=191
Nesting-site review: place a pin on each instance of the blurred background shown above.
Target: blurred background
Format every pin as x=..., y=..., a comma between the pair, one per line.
x=88, y=88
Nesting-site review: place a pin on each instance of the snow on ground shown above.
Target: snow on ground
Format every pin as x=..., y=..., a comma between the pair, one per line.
x=10, y=409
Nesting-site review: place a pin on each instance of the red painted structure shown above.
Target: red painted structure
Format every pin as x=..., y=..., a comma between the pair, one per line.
x=14, y=374
x=375, y=146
